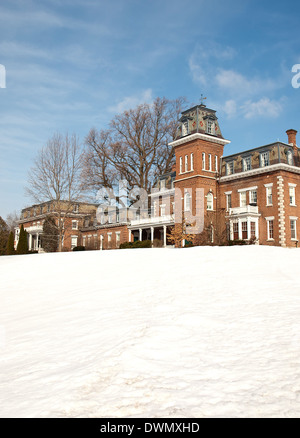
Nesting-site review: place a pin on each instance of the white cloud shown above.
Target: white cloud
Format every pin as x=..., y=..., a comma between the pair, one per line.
x=233, y=81
x=132, y=101
x=264, y=107
x=230, y=108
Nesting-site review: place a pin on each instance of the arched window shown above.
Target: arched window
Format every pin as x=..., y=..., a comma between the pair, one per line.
x=187, y=201
x=210, y=201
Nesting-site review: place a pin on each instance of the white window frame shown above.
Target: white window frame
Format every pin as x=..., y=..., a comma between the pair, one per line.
x=187, y=201
x=292, y=194
x=74, y=238
x=293, y=219
x=192, y=161
x=228, y=195
x=186, y=163
x=270, y=219
x=180, y=165
x=209, y=162
x=230, y=167
x=216, y=163
x=210, y=201
x=243, y=198
x=74, y=225
x=251, y=196
x=264, y=159
x=269, y=194
x=246, y=164
x=203, y=161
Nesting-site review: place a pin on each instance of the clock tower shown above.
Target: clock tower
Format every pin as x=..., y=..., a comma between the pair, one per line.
x=198, y=147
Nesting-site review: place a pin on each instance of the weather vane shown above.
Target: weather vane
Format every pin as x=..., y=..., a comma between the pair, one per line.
x=202, y=99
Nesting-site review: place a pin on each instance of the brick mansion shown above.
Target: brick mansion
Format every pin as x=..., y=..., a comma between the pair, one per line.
x=252, y=195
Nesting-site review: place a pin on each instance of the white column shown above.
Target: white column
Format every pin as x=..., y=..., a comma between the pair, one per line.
x=165, y=235
x=129, y=237
x=101, y=242
x=152, y=233
x=248, y=228
x=140, y=234
x=240, y=229
x=30, y=242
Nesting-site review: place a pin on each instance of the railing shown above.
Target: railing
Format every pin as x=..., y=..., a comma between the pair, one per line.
x=242, y=210
x=153, y=220
x=34, y=228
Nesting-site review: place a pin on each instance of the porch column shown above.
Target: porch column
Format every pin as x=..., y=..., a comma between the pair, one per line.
x=30, y=242
x=248, y=229
x=240, y=229
x=129, y=235
x=152, y=234
x=101, y=242
x=37, y=241
x=140, y=234
x=165, y=235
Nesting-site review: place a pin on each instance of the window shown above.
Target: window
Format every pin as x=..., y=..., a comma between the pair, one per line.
x=73, y=241
x=192, y=161
x=74, y=225
x=243, y=199
x=228, y=201
x=48, y=208
x=109, y=240
x=290, y=158
x=253, y=197
x=210, y=201
x=235, y=230
x=246, y=164
x=76, y=208
x=203, y=160
x=185, y=128
x=216, y=163
x=162, y=184
x=187, y=201
x=244, y=230
x=95, y=241
x=270, y=229
x=83, y=241
x=163, y=210
x=293, y=228
x=292, y=195
x=118, y=238
x=269, y=195
x=264, y=159
x=252, y=230
x=186, y=165
x=41, y=209
x=210, y=126
x=209, y=162
x=229, y=168
x=180, y=164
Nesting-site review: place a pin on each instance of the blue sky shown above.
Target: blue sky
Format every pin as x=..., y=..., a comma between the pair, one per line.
x=71, y=65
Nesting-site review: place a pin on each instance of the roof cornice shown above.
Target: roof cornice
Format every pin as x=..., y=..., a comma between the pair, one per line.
x=260, y=170
x=199, y=136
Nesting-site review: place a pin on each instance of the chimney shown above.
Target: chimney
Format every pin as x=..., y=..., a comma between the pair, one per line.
x=291, y=133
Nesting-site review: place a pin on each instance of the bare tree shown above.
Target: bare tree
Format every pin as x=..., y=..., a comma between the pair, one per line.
x=12, y=220
x=55, y=177
x=135, y=147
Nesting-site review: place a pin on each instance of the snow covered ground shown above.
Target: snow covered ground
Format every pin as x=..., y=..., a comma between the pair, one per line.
x=198, y=332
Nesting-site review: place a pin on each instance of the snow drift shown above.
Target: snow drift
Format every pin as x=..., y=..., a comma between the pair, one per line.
x=197, y=332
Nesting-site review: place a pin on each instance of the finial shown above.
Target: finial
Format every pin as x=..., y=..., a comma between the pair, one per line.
x=202, y=99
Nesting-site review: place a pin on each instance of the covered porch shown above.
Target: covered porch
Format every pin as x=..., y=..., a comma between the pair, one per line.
x=156, y=228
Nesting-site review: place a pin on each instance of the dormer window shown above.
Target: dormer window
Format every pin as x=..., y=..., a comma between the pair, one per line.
x=290, y=158
x=246, y=164
x=229, y=168
x=264, y=159
x=185, y=128
x=162, y=184
x=210, y=126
